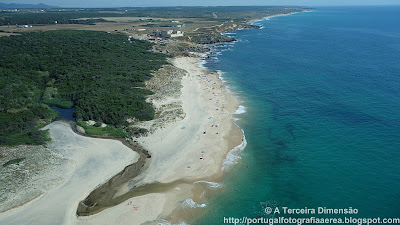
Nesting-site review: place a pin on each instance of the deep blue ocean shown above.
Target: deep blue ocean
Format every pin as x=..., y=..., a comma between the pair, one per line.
x=322, y=122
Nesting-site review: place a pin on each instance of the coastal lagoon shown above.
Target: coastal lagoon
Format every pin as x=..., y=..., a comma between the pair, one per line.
x=321, y=92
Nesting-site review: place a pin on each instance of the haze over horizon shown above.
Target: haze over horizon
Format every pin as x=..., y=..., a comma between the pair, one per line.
x=152, y=3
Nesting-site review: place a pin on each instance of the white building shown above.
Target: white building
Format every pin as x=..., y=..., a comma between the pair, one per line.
x=169, y=33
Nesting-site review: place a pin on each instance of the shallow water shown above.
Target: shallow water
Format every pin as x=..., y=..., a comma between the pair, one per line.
x=322, y=116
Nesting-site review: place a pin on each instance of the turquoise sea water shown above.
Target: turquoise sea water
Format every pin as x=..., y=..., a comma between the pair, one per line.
x=322, y=122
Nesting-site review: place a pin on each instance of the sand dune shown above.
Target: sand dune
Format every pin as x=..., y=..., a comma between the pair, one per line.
x=182, y=153
x=91, y=162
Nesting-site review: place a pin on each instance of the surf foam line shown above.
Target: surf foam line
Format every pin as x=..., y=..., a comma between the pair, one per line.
x=241, y=109
x=209, y=184
x=189, y=203
x=233, y=155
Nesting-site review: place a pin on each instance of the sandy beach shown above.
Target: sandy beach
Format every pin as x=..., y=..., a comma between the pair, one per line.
x=91, y=161
x=204, y=132
x=269, y=17
x=191, y=149
x=183, y=152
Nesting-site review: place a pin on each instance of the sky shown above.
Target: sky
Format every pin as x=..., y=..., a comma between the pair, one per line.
x=140, y=3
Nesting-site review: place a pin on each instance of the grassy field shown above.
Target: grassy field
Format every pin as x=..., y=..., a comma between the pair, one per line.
x=108, y=131
x=130, y=19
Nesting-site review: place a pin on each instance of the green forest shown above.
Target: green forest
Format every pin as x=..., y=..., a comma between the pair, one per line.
x=101, y=75
x=18, y=18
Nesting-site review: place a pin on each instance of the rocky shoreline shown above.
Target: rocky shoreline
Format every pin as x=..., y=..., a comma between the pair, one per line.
x=214, y=35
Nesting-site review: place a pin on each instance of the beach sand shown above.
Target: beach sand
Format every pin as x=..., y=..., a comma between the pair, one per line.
x=91, y=161
x=181, y=150
x=176, y=151
x=183, y=153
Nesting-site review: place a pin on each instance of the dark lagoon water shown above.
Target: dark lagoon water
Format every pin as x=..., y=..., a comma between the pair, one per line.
x=322, y=122
x=64, y=114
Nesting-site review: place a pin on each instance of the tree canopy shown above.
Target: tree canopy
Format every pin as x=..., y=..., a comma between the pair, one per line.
x=101, y=75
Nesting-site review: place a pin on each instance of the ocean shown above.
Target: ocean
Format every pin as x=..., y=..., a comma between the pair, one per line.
x=321, y=114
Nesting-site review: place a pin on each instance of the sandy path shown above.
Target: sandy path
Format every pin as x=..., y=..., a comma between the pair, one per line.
x=91, y=162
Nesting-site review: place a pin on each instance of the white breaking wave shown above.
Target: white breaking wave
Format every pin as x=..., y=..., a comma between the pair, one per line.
x=243, y=40
x=257, y=21
x=201, y=63
x=241, y=109
x=189, y=203
x=221, y=76
x=210, y=184
x=231, y=33
x=233, y=156
x=223, y=50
